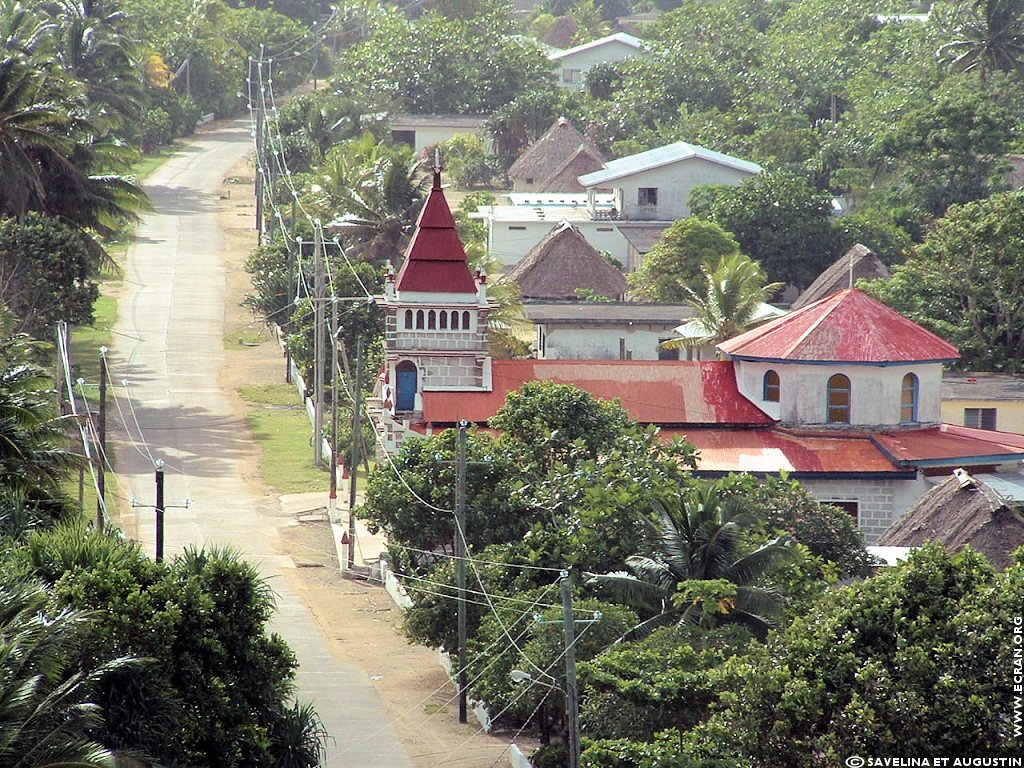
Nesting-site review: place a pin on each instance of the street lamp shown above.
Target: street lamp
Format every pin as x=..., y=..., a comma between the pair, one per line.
x=571, y=705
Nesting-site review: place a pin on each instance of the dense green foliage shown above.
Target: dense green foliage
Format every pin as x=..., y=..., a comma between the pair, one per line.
x=964, y=282
x=674, y=264
x=914, y=661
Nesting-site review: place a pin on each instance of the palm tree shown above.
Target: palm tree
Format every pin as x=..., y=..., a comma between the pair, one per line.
x=701, y=573
x=733, y=302
x=989, y=37
x=34, y=457
x=45, y=715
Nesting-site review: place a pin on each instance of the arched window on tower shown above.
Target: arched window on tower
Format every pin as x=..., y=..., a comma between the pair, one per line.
x=465, y=321
x=408, y=319
x=432, y=320
x=838, y=400
x=770, y=387
x=442, y=320
x=908, y=399
x=419, y=319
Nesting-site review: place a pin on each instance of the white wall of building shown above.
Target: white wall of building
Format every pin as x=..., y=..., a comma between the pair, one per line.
x=509, y=240
x=674, y=183
x=875, y=391
x=575, y=342
x=572, y=67
x=879, y=502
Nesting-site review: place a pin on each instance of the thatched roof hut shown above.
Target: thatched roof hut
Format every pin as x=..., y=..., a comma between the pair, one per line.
x=561, y=152
x=858, y=260
x=561, y=265
x=961, y=510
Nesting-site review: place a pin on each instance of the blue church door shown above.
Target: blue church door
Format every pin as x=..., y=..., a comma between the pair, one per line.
x=406, y=400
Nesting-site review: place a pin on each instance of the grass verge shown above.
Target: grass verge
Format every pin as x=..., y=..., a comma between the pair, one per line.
x=281, y=428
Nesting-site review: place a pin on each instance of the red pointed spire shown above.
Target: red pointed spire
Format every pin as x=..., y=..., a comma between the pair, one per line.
x=435, y=261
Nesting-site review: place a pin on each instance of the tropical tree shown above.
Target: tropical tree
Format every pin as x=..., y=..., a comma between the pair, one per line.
x=964, y=282
x=671, y=271
x=34, y=453
x=47, y=718
x=700, y=573
x=912, y=661
x=732, y=302
x=988, y=36
x=779, y=219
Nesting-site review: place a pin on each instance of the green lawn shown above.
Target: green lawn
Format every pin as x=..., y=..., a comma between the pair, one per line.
x=282, y=430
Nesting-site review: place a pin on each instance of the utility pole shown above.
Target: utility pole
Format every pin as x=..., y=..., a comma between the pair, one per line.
x=318, y=348
x=257, y=97
x=286, y=323
x=572, y=704
x=460, y=554
x=357, y=435
x=159, y=510
x=333, y=495
x=101, y=448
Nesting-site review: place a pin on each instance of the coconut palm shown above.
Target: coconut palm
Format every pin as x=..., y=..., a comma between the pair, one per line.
x=34, y=455
x=45, y=715
x=701, y=572
x=989, y=37
x=733, y=302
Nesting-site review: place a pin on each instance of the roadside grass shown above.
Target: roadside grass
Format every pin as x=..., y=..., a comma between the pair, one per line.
x=282, y=430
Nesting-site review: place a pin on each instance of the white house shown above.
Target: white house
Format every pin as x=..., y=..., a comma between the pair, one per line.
x=514, y=230
x=655, y=185
x=422, y=131
x=593, y=330
x=572, y=64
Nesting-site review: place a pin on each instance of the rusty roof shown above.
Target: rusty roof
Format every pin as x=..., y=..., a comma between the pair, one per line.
x=774, y=450
x=847, y=327
x=435, y=261
x=950, y=445
x=651, y=391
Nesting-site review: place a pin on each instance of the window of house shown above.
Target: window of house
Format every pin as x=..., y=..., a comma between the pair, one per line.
x=980, y=418
x=770, y=387
x=571, y=76
x=516, y=228
x=529, y=179
x=852, y=508
x=908, y=399
x=667, y=354
x=647, y=196
x=838, y=400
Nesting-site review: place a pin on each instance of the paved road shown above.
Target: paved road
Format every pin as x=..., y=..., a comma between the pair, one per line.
x=169, y=347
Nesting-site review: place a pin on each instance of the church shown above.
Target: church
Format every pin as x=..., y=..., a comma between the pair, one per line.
x=842, y=394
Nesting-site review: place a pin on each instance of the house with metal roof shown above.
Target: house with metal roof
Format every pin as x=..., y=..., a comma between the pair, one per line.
x=655, y=185
x=984, y=400
x=572, y=65
x=843, y=394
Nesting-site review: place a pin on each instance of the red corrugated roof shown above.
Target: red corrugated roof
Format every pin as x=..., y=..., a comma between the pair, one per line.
x=435, y=261
x=772, y=450
x=848, y=326
x=651, y=391
x=950, y=443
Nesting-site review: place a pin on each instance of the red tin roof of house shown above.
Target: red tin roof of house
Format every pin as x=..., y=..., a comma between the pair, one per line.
x=435, y=261
x=848, y=326
x=651, y=391
x=948, y=444
x=772, y=450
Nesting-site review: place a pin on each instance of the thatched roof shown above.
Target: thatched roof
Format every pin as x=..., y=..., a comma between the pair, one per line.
x=865, y=266
x=585, y=159
x=958, y=511
x=561, y=264
x=561, y=34
x=550, y=152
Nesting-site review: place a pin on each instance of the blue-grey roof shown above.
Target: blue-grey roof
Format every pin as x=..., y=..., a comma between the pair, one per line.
x=654, y=158
x=619, y=37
